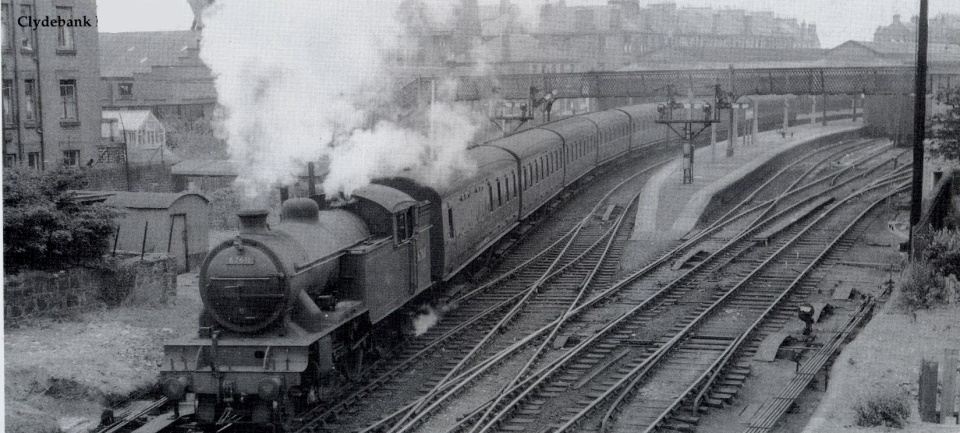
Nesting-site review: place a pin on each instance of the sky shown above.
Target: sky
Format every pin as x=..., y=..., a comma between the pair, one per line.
x=837, y=20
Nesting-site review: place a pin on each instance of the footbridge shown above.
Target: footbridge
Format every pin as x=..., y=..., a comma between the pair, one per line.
x=773, y=81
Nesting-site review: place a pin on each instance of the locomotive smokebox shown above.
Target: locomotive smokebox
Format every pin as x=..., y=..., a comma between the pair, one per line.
x=253, y=220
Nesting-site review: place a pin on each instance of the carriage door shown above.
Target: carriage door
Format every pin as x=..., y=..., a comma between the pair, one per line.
x=177, y=242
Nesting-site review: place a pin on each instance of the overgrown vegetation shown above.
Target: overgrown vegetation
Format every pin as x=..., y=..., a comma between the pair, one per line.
x=883, y=409
x=943, y=252
x=945, y=127
x=45, y=228
x=931, y=280
x=921, y=286
x=194, y=139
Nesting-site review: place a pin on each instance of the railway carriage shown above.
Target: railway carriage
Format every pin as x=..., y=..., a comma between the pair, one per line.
x=614, y=129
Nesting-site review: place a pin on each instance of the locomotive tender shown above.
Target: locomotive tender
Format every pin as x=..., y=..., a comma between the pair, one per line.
x=289, y=310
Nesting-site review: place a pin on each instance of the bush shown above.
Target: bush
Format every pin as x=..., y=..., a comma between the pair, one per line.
x=943, y=252
x=921, y=286
x=883, y=410
x=45, y=228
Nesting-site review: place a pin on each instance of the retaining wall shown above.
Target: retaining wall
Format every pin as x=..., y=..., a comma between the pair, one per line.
x=33, y=294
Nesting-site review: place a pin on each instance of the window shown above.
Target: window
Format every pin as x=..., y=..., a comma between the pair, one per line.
x=65, y=34
x=26, y=33
x=71, y=158
x=125, y=90
x=68, y=99
x=33, y=160
x=9, y=160
x=490, y=196
x=7, y=36
x=7, y=102
x=499, y=194
x=450, y=221
x=29, y=101
x=515, y=187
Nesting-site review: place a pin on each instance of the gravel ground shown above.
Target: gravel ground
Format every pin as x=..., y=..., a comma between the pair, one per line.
x=60, y=374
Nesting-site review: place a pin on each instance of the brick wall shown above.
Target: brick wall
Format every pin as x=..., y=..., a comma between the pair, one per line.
x=149, y=178
x=32, y=294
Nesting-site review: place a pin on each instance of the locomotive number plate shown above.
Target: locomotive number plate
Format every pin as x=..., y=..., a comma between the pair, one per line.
x=240, y=260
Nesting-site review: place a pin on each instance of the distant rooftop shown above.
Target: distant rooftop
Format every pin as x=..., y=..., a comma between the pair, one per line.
x=123, y=54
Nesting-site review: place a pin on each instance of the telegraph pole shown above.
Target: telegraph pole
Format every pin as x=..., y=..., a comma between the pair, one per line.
x=919, y=123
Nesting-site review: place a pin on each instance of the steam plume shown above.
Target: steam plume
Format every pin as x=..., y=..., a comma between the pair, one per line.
x=307, y=79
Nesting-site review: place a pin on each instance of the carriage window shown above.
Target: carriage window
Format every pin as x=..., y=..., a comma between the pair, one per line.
x=404, y=222
x=450, y=221
x=514, y=184
x=490, y=196
x=499, y=194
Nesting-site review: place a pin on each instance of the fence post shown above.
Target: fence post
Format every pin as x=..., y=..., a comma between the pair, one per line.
x=928, y=391
x=948, y=393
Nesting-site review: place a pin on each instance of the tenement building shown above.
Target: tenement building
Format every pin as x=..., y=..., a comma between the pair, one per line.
x=51, y=106
x=943, y=28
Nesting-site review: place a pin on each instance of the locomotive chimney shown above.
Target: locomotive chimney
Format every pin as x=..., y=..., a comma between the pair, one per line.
x=253, y=220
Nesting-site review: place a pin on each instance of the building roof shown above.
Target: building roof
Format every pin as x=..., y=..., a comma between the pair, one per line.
x=134, y=200
x=936, y=52
x=129, y=120
x=123, y=54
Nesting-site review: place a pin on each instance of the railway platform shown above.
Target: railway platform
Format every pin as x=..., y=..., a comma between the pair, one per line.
x=669, y=209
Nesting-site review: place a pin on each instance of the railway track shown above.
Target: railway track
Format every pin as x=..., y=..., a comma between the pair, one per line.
x=452, y=346
x=600, y=355
x=528, y=405
x=684, y=370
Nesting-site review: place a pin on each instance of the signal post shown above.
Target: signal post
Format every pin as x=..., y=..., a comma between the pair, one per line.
x=689, y=127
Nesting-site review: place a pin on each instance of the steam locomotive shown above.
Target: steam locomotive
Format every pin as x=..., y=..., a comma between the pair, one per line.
x=291, y=311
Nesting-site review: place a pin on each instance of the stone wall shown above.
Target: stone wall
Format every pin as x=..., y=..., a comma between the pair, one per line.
x=33, y=294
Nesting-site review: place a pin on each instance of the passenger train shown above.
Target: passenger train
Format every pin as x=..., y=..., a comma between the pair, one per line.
x=292, y=310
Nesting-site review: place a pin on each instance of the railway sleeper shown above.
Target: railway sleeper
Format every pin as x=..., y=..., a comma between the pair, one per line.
x=681, y=427
x=686, y=415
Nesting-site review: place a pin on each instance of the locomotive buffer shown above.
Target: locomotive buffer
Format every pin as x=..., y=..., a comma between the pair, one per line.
x=691, y=127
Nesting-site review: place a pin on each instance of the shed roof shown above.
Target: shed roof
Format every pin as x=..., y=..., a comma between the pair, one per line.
x=147, y=200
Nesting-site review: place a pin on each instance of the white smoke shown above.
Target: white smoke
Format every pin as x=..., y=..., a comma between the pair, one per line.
x=307, y=79
x=425, y=320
